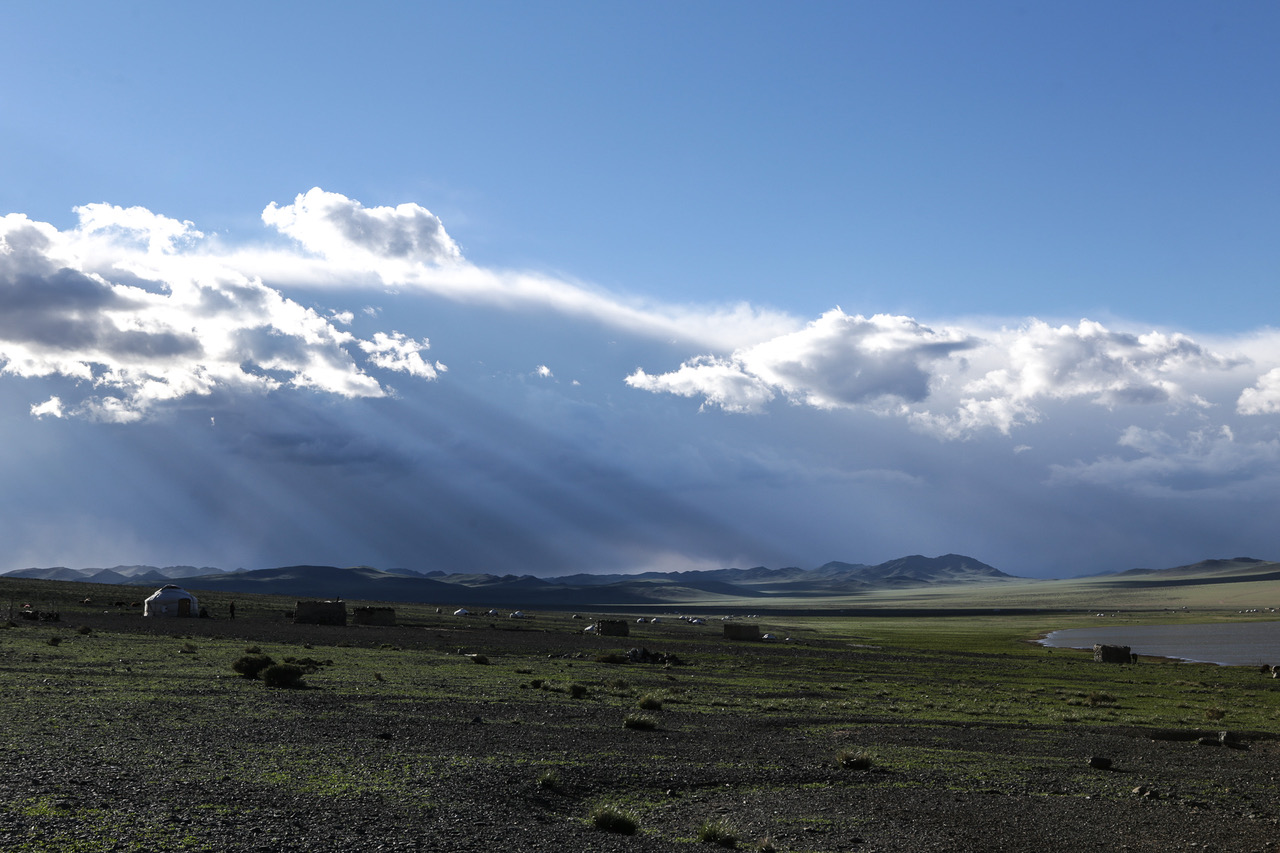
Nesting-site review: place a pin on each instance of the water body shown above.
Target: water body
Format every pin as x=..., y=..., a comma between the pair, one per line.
x=1243, y=644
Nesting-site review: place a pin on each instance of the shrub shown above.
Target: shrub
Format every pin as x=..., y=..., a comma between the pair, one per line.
x=854, y=760
x=84, y=630
x=611, y=657
x=718, y=832
x=283, y=675
x=480, y=659
x=640, y=722
x=249, y=666
x=614, y=819
x=549, y=780
x=54, y=640
x=535, y=683
x=1211, y=714
x=577, y=691
x=252, y=650
x=650, y=702
x=187, y=649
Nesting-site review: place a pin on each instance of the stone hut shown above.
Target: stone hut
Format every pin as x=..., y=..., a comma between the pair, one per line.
x=1111, y=654
x=613, y=628
x=320, y=613
x=373, y=615
x=741, y=631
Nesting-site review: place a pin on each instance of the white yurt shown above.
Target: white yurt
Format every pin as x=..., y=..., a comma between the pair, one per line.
x=171, y=600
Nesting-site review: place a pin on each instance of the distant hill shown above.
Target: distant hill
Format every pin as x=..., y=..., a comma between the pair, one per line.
x=581, y=590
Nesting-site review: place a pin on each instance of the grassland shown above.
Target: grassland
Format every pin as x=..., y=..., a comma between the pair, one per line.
x=443, y=733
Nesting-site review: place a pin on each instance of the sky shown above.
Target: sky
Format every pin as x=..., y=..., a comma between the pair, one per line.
x=548, y=288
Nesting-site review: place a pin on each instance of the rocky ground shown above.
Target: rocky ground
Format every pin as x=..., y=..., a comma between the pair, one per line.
x=218, y=763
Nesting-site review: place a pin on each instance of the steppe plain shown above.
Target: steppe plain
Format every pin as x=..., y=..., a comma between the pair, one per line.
x=848, y=733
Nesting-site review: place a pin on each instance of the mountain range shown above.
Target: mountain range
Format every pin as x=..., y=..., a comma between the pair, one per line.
x=915, y=576
x=366, y=583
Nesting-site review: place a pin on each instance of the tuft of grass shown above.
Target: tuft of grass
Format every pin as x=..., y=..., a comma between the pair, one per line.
x=252, y=650
x=578, y=691
x=718, y=832
x=640, y=722
x=188, y=649
x=852, y=759
x=283, y=675
x=480, y=659
x=84, y=630
x=251, y=666
x=1214, y=713
x=55, y=640
x=650, y=702
x=613, y=818
x=549, y=780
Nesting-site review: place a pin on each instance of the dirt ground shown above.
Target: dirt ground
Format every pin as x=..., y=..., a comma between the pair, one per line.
x=466, y=772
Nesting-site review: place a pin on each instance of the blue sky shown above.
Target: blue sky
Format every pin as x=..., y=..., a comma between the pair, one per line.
x=568, y=287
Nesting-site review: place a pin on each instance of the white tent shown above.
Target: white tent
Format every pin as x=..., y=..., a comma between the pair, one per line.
x=171, y=600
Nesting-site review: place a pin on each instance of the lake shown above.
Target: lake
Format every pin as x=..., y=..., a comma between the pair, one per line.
x=1242, y=644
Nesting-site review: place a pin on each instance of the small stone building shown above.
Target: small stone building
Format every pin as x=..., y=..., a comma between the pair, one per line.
x=373, y=615
x=613, y=628
x=320, y=613
x=741, y=631
x=1111, y=654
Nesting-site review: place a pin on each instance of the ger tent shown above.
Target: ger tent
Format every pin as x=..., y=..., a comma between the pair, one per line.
x=171, y=600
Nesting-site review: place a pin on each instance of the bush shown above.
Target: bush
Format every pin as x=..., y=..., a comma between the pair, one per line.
x=853, y=760
x=252, y=650
x=650, y=702
x=283, y=675
x=614, y=819
x=249, y=666
x=640, y=722
x=577, y=691
x=1211, y=714
x=54, y=640
x=549, y=780
x=84, y=630
x=611, y=657
x=718, y=832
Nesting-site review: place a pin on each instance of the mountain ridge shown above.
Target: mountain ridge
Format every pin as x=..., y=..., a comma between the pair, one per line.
x=759, y=583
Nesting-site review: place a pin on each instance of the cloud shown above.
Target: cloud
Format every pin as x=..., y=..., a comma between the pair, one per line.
x=127, y=307
x=544, y=372
x=836, y=361
x=1201, y=463
x=953, y=381
x=334, y=226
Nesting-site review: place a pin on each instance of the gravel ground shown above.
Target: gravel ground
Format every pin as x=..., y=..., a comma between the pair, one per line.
x=467, y=771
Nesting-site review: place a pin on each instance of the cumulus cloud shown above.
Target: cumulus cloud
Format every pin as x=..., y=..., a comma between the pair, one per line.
x=951, y=381
x=124, y=306
x=837, y=361
x=544, y=372
x=1199, y=463
x=334, y=226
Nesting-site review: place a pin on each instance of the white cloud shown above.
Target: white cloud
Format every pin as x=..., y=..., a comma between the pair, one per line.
x=954, y=381
x=1200, y=463
x=544, y=372
x=334, y=226
x=51, y=407
x=837, y=361
x=399, y=352
x=130, y=307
